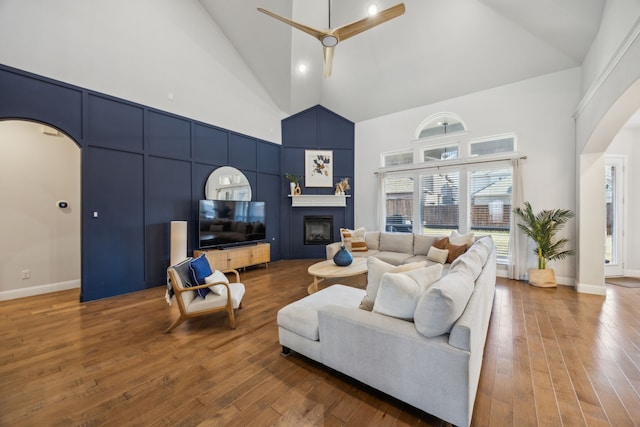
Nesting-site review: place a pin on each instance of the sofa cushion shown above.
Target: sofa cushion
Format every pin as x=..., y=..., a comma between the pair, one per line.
x=396, y=242
x=353, y=240
x=372, y=239
x=301, y=317
x=375, y=269
x=395, y=258
x=399, y=292
x=438, y=255
x=422, y=244
x=470, y=262
x=443, y=302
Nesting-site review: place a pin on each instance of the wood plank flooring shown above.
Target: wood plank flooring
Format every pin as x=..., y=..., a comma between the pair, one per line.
x=553, y=357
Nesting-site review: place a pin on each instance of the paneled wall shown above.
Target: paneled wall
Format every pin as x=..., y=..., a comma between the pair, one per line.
x=315, y=129
x=141, y=169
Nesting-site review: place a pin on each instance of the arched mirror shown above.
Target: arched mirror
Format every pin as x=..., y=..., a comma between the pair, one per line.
x=227, y=183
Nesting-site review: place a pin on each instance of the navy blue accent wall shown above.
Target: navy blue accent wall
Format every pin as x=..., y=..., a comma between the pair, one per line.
x=141, y=169
x=314, y=129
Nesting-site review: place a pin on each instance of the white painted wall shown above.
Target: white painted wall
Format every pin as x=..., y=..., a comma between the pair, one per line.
x=142, y=51
x=627, y=143
x=36, y=171
x=618, y=18
x=540, y=111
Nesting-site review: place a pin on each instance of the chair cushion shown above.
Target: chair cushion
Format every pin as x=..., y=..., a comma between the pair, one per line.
x=212, y=300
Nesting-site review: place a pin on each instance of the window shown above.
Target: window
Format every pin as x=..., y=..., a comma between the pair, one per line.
x=398, y=195
x=397, y=158
x=490, y=206
x=468, y=198
x=440, y=203
x=443, y=153
x=492, y=146
x=440, y=124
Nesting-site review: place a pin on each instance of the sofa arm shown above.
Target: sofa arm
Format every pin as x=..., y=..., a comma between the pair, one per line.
x=332, y=248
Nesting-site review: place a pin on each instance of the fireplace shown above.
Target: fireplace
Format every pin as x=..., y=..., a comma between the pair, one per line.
x=318, y=230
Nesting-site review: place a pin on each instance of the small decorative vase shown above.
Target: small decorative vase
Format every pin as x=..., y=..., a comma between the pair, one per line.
x=298, y=190
x=292, y=185
x=343, y=257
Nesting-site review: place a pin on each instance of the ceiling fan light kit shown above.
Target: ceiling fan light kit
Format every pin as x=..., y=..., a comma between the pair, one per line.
x=331, y=37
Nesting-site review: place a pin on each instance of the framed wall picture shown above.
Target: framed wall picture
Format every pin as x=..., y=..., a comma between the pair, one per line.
x=318, y=168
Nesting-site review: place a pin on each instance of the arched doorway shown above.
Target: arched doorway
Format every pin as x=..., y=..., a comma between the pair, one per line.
x=40, y=181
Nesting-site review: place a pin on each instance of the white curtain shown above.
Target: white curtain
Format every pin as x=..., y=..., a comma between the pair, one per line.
x=381, y=202
x=518, y=248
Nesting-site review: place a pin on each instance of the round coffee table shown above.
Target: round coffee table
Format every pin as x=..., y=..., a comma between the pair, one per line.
x=326, y=269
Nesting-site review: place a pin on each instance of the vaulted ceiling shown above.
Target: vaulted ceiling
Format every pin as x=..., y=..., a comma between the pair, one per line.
x=437, y=50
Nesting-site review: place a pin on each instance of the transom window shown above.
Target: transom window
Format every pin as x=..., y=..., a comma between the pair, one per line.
x=440, y=124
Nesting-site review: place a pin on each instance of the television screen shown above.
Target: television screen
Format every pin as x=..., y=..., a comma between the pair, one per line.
x=227, y=223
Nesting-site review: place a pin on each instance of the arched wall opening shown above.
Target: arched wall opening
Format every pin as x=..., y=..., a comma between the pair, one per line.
x=591, y=191
x=40, y=188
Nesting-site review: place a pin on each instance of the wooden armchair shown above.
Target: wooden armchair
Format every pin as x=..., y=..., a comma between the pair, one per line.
x=228, y=298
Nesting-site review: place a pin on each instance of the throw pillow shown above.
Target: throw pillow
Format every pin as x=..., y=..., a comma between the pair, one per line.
x=399, y=292
x=437, y=255
x=217, y=277
x=199, y=270
x=443, y=303
x=441, y=243
x=454, y=250
x=456, y=238
x=375, y=269
x=353, y=240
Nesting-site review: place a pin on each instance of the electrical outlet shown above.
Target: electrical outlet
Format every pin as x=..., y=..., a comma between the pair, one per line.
x=26, y=274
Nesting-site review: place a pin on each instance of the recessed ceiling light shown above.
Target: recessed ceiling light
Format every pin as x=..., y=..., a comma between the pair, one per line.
x=302, y=68
x=373, y=9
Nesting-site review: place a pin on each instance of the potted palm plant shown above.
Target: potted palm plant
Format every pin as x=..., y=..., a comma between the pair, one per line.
x=542, y=227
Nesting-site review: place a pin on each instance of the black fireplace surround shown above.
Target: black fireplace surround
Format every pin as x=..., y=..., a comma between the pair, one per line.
x=318, y=230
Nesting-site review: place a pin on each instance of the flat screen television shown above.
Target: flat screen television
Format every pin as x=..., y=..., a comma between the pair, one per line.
x=228, y=223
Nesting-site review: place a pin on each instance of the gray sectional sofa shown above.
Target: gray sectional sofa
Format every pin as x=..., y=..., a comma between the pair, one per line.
x=431, y=361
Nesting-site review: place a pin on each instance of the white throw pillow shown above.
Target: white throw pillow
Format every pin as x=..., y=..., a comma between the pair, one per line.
x=353, y=240
x=458, y=239
x=438, y=255
x=399, y=293
x=375, y=269
x=217, y=276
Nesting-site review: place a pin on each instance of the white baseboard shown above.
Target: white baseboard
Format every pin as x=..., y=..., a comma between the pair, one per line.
x=591, y=289
x=39, y=290
x=632, y=273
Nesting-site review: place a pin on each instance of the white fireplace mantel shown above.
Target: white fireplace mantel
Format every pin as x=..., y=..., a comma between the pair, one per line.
x=318, y=200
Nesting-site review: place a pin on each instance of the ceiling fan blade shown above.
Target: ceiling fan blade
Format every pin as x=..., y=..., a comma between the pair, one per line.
x=328, y=60
x=350, y=30
x=309, y=30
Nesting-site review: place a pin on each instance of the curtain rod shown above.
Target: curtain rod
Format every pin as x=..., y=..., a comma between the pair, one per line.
x=451, y=163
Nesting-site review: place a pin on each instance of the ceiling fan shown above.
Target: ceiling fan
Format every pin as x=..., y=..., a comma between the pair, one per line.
x=331, y=37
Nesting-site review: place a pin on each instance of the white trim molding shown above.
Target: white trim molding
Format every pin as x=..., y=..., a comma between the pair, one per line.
x=318, y=200
x=584, y=288
x=39, y=290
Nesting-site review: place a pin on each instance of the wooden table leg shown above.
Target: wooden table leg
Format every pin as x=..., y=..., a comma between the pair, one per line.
x=313, y=287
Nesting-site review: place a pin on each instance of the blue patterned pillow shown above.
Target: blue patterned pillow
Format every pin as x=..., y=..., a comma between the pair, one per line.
x=200, y=269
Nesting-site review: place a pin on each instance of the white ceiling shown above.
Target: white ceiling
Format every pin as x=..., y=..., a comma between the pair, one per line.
x=437, y=50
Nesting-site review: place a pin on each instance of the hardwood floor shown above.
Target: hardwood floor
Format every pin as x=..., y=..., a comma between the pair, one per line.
x=553, y=357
